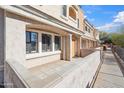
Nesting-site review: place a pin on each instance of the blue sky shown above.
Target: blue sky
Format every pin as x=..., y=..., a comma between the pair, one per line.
x=105, y=17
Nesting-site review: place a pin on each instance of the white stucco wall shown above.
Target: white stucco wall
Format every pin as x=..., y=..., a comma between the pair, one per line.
x=15, y=40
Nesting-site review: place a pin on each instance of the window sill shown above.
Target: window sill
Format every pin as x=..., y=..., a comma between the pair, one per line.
x=63, y=17
x=43, y=54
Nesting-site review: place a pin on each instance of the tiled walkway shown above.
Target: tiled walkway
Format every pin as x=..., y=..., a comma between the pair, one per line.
x=52, y=73
x=110, y=75
x=64, y=74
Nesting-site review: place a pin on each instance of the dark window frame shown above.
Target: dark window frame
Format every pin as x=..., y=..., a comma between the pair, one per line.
x=89, y=30
x=64, y=10
x=57, y=42
x=30, y=41
x=86, y=28
x=47, y=47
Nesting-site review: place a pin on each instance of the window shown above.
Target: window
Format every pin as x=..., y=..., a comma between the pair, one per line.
x=89, y=30
x=86, y=28
x=31, y=42
x=46, y=43
x=72, y=13
x=57, y=40
x=64, y=10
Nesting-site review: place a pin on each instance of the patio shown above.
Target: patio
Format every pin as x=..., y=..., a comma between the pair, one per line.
x=51, y=74
x=60, y=74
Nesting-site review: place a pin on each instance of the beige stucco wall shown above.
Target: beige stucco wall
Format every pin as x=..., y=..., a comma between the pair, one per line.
x=16, y=44
x=97, y=35
x=56, y=11
x=15, y=39
x=89, y=26
x=16, y=48
x=42, y=60
x=81, y=19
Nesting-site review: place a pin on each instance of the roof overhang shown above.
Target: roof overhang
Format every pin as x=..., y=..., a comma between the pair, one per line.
x=46, y=27
x=32, y=13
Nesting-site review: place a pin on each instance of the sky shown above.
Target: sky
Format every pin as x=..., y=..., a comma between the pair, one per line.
x=104, y=17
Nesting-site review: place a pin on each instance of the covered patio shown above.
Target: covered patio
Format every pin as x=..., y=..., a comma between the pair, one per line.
x=55, y=74
x=68, y=47
x=77, y=73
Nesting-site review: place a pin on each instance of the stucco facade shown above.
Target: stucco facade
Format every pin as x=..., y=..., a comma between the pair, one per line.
x=56, y=11
x=16, y=21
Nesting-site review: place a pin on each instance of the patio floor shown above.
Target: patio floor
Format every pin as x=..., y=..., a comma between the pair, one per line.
x=52, y=72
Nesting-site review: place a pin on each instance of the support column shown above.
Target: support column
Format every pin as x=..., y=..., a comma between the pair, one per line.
x=78, y=46
x=93, y=45
x=63, y=48
x=90, y=44
x=69, y=47
x=53, y=44
x=96, y=44
x=87, y=44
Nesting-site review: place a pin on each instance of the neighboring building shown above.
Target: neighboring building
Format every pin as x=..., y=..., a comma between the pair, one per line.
x=35, y=35
x=89, y=40
x=96, y=35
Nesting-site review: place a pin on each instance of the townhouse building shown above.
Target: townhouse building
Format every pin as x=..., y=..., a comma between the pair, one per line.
x=91, y=32
x=32, y=36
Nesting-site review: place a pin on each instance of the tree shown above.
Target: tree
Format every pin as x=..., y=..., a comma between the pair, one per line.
x=104, y=37
x=117, y=39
